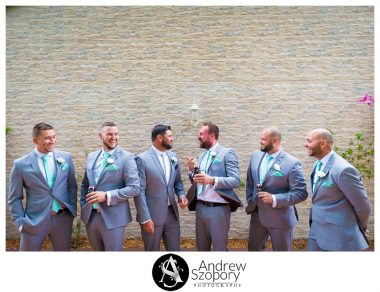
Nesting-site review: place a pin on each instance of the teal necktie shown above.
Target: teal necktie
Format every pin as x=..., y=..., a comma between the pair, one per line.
x=200, y=186
x=99, y=172
x=317, y=168
x=265, y=167
x=102, y=166
x=50, y=180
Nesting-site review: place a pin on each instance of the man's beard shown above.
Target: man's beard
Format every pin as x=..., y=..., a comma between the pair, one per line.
x=267, y=148
x=167, y=146
x=205, y=144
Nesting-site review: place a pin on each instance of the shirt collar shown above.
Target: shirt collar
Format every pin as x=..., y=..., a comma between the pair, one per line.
x=39, y=154
x=274, y=155
x=158, y=152
x=109, y=152
x=213, y=148
x=325, y=159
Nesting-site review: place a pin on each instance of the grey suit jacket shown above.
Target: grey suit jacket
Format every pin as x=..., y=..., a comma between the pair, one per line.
x=225, y=167
x=340, y=207
x=27, y=175
x=121, y=179
x=152, y=203
x=288, y=185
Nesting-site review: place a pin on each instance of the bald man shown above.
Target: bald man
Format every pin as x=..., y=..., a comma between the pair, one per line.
x=275, y=184
x=340, y=206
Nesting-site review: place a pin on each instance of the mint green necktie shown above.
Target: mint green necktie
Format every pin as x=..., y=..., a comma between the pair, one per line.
x=50, y=180
x=265, y=167
x=102, y=166
x=200, y=186
x=99, y=172
x=317, y=168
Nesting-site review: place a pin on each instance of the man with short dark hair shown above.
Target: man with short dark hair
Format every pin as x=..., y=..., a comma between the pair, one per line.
x=340, y=209
x=48, y=177
x=214, y=176
x=160, y=178
x=110, y=179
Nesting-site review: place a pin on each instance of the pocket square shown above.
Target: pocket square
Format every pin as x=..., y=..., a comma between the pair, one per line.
x=216, y=161
x=327, y=184
x=64, y=167
x=277, y=173
x=112, y=167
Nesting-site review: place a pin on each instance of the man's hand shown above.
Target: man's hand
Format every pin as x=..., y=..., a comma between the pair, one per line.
x=203, y=179
x=96, y=197
x=148, y=227
x=265, y=197
x=191, y=163
x=183, y=202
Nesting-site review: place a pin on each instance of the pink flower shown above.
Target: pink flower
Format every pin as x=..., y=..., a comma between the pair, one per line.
x=368, y=99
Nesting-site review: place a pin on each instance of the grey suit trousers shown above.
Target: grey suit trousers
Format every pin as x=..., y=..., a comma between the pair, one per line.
x=58, y=231
x=101, y=238
x=169, y=232
x=212, y=227
x=258, y=235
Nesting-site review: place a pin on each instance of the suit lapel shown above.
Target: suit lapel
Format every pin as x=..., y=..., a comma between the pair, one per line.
x=257, y=168
x=172, y=167
x=200, y=158
x=91, y=174
x=218, y=155
x=312, y=177
x=58, y=170
x=158, y=164
x=278, y=160
x=34, y=162
x=326, y=170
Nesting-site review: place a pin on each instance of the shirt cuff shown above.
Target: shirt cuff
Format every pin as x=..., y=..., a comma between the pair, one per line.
x=215, y=182
x=108, y=197
x=20, y=228
x=274, y=203
x=146, y=221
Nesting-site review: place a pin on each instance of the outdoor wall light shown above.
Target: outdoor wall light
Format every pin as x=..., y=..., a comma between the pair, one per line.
x=194, y=115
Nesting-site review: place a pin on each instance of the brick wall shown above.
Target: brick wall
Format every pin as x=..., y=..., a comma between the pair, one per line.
x=246, y=67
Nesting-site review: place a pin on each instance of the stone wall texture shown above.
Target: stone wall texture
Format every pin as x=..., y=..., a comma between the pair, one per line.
x=246, y=67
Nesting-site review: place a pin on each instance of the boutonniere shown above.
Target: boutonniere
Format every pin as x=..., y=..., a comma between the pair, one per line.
x=277, y=167
x=213, y=154
x=173, y=160
x=110, y=164
x=320, y=174
x=62, y=163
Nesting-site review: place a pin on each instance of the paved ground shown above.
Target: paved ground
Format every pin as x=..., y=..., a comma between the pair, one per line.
x=187, y=244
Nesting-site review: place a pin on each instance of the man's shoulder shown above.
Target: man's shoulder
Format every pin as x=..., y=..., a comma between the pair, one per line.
x=24, y=158
x=62, y=153
x=145, y=154
x=289, y=157
x=124, y=152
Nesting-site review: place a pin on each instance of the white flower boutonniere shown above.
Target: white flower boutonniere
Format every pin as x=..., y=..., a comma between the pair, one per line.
x=173, y=160
x=110, y=160
x=277, y=167
x=61, y=161
x=321, y=174
x=213, y=154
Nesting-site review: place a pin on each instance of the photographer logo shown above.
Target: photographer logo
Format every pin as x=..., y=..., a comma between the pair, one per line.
x=170, y=272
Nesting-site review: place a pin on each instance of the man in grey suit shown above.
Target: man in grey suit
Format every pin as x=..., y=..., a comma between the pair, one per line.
x=275, y=184
x=340, y=206
x=160, y=178
x=212, y=194
x=110, y=179
x=48, y=177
